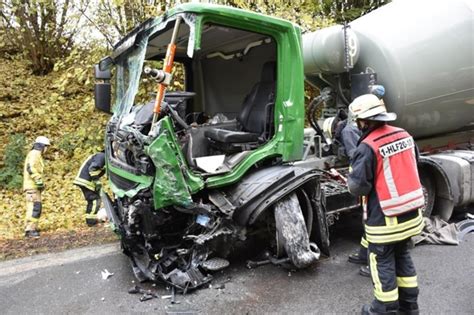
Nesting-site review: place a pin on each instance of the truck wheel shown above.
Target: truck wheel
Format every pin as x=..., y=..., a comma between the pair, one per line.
x=429, y=192
x=291, y=228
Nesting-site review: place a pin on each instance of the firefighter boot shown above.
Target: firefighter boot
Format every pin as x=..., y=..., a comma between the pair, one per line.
x=364, y=271
x=32, y=234
x=368, y=310
x=360, y=257
x=408, y=308
x=91, y=221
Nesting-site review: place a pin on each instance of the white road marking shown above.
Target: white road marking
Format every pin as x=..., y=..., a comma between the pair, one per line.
x=21, y=265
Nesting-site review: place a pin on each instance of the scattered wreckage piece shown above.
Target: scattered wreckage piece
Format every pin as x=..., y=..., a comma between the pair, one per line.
x=215, y=264
x=146, y=294
x=106, y=274
x=271, y=260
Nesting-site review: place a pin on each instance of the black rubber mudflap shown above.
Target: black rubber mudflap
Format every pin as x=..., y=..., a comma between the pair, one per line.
x=290, y=223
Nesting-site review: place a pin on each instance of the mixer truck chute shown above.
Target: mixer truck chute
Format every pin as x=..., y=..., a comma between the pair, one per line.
x=227, y=158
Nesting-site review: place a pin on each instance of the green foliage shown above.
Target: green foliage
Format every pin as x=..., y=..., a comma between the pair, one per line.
x=33, y=106
x=67, y=144
x=11, y=174
x=77, y=69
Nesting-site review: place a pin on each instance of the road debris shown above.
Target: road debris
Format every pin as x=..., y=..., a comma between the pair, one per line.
x=146, y=297
x=219, y=286
x=269, y=260
x=106, y=274
x=134, y=290
x=146, y=294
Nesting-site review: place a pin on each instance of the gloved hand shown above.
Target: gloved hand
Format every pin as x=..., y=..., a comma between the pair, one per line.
x=39, y=185
x=98, y=186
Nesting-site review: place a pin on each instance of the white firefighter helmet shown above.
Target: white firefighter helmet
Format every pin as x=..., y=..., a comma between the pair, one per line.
x=370, y=107
x=42, y=140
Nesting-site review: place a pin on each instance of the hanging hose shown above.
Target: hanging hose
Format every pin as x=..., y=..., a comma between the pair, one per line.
x=340, y=92
x=314, y=106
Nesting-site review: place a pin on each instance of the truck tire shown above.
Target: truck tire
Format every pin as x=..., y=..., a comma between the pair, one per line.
x=291, y=227
x=429, y=192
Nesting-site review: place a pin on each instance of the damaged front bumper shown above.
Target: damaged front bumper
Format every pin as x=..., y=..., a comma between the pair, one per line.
x=179, y=252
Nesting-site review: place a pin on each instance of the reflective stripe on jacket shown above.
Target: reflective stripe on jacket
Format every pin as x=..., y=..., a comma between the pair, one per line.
x=33, y=170
x=396, y=229
x=91, y=170
x=396, y=180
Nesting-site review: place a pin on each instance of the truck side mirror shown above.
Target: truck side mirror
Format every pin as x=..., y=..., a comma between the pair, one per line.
x=102, y=89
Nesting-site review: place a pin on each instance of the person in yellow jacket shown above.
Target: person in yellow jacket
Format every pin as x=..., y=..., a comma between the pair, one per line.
x=33, y=185
x=88, y=180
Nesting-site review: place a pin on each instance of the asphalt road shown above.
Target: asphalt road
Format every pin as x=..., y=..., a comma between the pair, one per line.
x=71, y=283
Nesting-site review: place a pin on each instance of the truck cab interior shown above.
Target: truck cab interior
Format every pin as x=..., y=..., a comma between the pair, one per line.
x=226, y=107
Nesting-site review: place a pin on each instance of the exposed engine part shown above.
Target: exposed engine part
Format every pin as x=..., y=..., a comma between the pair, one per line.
x=203, y=238
x=333, y=188
x=179, y=254
x=215, y=264
x=218, y=198
x=189, y=279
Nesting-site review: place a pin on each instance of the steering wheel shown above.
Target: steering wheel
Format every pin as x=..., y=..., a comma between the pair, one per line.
x=174, y=99
x=176, y=96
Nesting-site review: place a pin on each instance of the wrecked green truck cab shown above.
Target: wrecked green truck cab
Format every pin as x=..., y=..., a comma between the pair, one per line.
x=217, y=166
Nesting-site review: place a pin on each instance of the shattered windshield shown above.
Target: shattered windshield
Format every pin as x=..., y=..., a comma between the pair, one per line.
x=150, y=44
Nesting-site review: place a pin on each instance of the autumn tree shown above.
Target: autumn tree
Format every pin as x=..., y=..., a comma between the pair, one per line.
x=115, y=18
x=44, y=30
x=348, y=10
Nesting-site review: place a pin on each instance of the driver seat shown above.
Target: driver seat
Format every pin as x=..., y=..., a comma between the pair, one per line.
x=254, y=120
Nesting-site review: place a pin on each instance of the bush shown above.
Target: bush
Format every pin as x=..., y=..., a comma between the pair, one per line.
x=11, y=174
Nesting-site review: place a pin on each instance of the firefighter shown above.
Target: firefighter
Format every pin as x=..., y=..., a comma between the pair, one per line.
x=88, y=181
x=33, y=185
x=343, y=131
x=384, y=168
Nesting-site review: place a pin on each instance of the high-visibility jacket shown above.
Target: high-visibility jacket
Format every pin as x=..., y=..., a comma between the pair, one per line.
x=363, y=180
x=397, y=182
x=90, y=172
x=33, y=169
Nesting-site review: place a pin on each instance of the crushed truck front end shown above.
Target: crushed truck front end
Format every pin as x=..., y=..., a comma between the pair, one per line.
x=234, y=108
